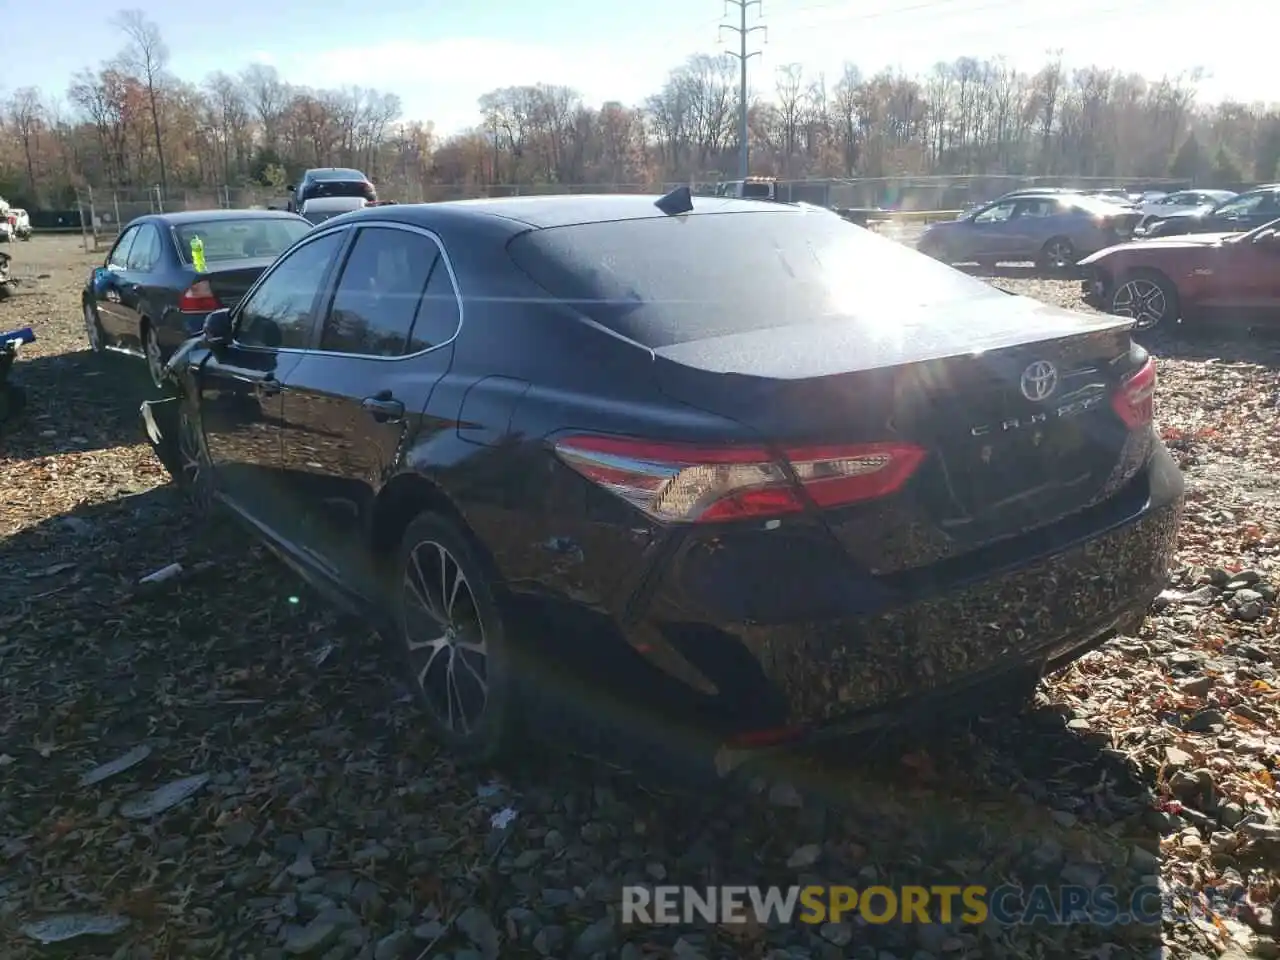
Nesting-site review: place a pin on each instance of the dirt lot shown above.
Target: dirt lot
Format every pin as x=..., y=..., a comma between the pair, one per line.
x=321, y=822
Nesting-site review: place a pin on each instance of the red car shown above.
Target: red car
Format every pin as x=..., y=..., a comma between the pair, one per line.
x=1192, y=278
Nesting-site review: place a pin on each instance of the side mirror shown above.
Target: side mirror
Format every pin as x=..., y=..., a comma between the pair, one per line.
x=218, y=328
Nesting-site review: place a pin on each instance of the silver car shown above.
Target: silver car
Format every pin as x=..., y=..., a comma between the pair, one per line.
x=1053, y=230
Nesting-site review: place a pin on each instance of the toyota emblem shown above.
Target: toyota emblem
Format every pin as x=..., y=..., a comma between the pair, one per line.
x=1039, y=381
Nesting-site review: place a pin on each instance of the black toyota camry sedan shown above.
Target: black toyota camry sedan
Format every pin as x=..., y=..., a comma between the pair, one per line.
x=745, y=463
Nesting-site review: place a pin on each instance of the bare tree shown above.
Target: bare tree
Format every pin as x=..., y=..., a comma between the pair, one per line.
x=147, y=55
x=27, y=115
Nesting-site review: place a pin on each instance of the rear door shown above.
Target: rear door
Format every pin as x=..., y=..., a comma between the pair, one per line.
x=240, y=386
x=1034, y=220
x=385, y=340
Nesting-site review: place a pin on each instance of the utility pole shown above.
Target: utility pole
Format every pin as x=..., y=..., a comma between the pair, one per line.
x=743, y=32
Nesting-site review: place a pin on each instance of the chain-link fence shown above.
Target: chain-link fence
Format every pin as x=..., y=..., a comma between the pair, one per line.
x=102, y=212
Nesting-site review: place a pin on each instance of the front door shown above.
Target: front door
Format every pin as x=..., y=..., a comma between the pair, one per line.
x=240, y=385
x=1247, y=278
x=990, y=233
x=385, y=340
x=107, y=282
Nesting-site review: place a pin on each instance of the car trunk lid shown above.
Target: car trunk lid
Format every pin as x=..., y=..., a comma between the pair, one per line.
x=1011, y=403
x=230, y=280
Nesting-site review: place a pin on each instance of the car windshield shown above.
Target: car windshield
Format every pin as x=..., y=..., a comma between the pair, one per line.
x=236, y=239
x=662, y=281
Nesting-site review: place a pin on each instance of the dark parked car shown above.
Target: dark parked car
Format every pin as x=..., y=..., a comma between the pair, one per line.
x=784, y=478
x=1201, y=277
x=1239, y=214
x=148, y=296
x=330, y=182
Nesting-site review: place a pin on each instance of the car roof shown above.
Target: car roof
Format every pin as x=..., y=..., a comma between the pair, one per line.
x=180, y=217
x=563, y=210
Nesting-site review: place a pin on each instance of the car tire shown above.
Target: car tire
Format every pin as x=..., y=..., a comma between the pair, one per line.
x=1147, y=297
x=454, y=641
x=1057, y=255
x=195, y=467
x=92, y=327
x=154, y=354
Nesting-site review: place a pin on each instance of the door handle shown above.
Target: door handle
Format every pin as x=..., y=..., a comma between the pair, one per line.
x=383, y=407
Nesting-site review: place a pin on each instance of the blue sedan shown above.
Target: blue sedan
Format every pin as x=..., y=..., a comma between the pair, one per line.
x=167, y=272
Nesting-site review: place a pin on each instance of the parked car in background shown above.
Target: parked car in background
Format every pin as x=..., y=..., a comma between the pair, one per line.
x=19, y=223
x=150, y=294
x=665, y=452
x=1184, y=201
x=320, y=209
x=1052, y=229
x=6, y=229
x=330, y=182
x=1240, y=213
x=1200, y=278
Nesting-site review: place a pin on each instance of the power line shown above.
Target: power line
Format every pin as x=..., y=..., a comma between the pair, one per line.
x=743, y=32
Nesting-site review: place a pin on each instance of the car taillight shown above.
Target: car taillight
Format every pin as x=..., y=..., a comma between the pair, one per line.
x=1134, y=402
x=698, y=484
x=198, y=298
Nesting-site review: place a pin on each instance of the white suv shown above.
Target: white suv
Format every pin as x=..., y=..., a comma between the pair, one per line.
x=20, y=223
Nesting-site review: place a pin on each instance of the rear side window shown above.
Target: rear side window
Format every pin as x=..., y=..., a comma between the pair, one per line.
x=380, y=293
x=669, y=280
x=439, y=314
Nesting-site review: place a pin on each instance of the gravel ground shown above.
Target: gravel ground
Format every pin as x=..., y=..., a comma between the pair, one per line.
x=303, y=813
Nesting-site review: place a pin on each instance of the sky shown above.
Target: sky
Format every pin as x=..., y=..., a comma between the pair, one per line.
x=441, y=56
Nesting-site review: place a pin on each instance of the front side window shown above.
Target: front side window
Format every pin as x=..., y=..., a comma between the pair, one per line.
x=119, y=255
x=996, y=214
x=278, y=313
x=380, y=293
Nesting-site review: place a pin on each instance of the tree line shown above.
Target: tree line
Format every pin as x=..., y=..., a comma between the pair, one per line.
x=131, y=124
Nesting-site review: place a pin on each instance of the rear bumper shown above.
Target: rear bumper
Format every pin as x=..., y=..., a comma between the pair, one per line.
x=919, y=643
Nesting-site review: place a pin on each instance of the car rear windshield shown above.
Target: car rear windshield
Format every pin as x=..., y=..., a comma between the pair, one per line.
x=338, y=173
x=337, y=188
x=757, y=191
x=240, y=239
x=670, y=280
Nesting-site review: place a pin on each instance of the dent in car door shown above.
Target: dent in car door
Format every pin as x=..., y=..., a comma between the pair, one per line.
x=240, y=386
x=385, y=341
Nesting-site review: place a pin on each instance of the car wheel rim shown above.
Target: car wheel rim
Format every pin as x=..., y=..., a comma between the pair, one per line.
x=1142, y=301
x=155, y=362
x=445, y=638
x=91, y=329
x=194, y=463
x=1060, y=255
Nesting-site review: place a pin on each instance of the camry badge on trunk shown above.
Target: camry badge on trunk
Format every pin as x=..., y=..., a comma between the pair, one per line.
x=1039, y=381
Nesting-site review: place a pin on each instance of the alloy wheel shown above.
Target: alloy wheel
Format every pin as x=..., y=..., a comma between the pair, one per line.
x=445, y=638
x=195, y=477
x=155, y=359
x=1142, y=301
x=1059, y=254
x=92, y=331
